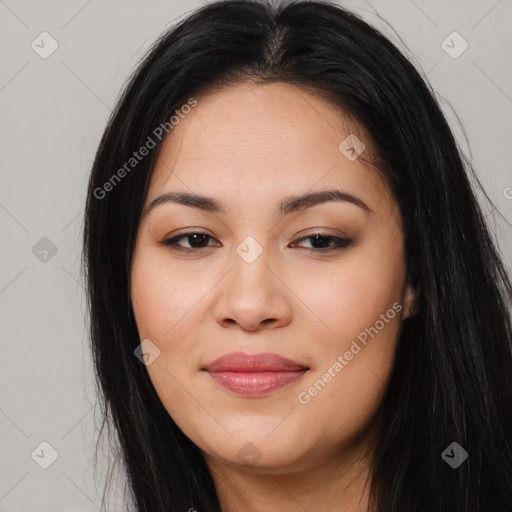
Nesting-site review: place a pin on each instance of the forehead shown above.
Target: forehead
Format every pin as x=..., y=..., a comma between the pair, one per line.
x=273, y=140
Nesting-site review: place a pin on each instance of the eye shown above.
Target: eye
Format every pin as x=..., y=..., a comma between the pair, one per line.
x=197, y=240
x=321, y=242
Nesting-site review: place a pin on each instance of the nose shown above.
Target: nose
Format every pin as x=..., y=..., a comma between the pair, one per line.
x=253, y=296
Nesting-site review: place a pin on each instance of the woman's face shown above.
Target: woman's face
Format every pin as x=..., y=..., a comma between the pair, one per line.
x=258, y=281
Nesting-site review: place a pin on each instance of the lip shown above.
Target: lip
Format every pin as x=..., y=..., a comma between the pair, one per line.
x=240, y=362
x=254, y=374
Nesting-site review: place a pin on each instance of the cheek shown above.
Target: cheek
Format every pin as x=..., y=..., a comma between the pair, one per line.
x=359, y=305
x=349, y=295
x=160, y=299
x=160, y=296
x=346, y=389
x=169, y=310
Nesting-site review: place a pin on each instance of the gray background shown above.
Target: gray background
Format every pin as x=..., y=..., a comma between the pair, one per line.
x=53, y=112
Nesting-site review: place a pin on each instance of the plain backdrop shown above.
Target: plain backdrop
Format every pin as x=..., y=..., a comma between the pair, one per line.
x=53, y=112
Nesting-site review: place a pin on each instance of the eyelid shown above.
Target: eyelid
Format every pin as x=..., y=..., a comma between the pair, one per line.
x=341, y=242
x=172, y=240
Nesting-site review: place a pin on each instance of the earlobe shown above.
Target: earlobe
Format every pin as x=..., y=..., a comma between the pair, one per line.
x=410, y=302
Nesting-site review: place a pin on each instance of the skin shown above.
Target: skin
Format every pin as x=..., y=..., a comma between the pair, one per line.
x=249, y=146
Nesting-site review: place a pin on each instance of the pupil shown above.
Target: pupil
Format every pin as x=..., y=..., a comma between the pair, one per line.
x=315, y=239
x=197, y=238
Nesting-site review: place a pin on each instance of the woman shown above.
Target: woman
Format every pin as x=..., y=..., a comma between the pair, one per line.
x=295, y=301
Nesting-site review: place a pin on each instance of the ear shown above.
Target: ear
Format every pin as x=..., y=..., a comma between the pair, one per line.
x=410, y=302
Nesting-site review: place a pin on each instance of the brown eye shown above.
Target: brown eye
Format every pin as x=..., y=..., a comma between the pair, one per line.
x=196, y=240
x=320, y=242
x=323, y=242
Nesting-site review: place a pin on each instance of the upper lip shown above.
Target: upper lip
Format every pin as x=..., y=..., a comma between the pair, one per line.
x=240, y=362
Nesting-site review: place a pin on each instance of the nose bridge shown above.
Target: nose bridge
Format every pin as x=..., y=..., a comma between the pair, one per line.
x=251, y=294
x=251, y=275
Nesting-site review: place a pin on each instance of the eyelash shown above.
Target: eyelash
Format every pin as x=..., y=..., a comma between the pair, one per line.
x=341, y=243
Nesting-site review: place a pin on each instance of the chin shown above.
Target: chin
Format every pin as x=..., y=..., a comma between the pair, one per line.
x=258, y=451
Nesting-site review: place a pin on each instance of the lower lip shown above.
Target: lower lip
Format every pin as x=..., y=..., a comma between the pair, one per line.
x=255, y=383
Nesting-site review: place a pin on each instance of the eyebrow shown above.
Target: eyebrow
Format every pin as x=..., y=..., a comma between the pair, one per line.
x=286, y=206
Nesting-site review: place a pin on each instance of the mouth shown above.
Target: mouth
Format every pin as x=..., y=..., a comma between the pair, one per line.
x=254, y=374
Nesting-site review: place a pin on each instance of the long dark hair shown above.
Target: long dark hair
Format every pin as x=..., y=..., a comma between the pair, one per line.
x=452, y=378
